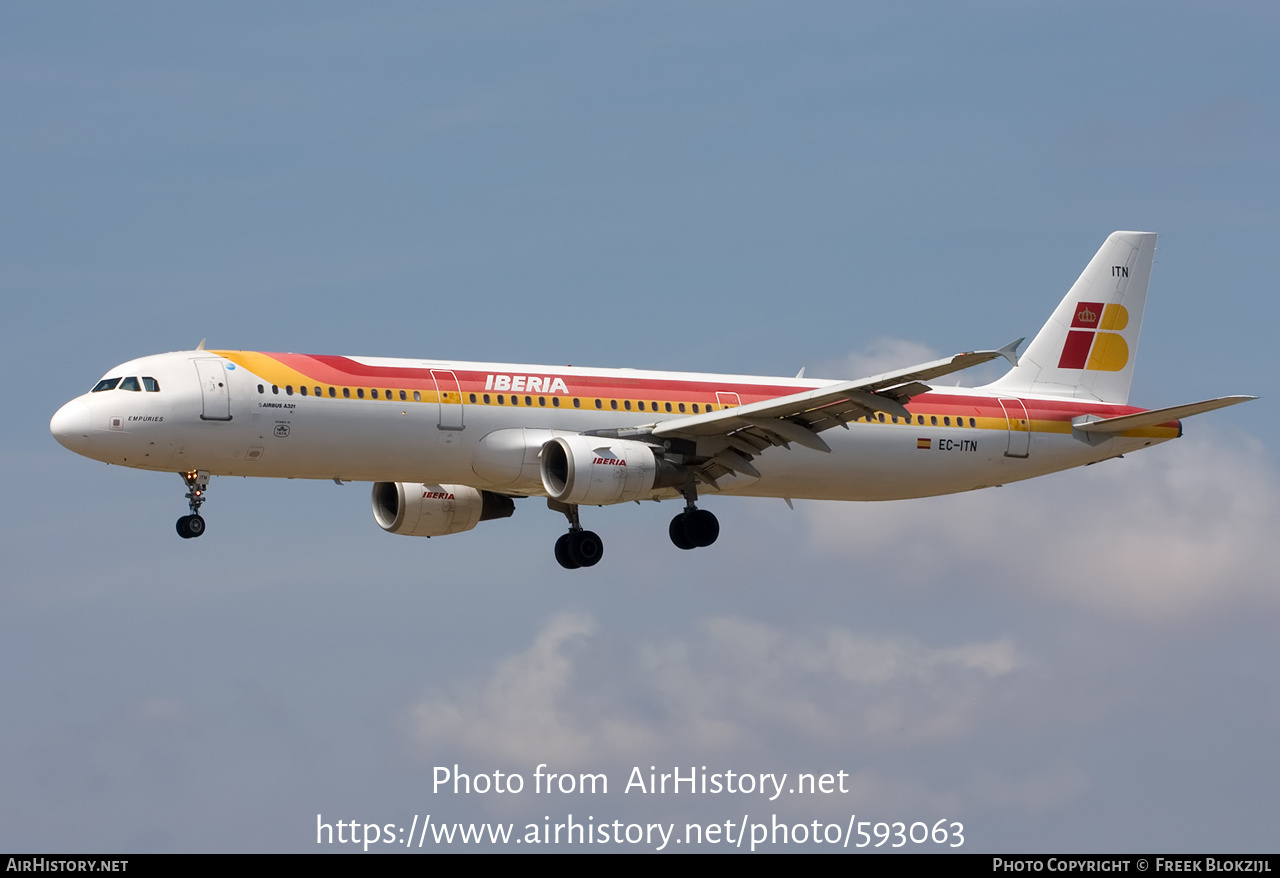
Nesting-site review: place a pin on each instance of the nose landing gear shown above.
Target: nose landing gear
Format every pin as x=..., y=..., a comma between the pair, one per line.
x=192, y=526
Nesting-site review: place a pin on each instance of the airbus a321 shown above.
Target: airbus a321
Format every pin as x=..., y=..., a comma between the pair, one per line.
x=450, y=444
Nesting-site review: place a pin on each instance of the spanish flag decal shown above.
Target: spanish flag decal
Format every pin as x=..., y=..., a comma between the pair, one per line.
x=924, y=444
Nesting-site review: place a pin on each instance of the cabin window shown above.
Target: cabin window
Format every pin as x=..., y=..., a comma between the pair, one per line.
x=346, y=393
x=417, y=397
x=881, y=417
x=555, y=401
x=303, y=390
x=275, y=389
x=105, y=384
x=695, y=408
x=261, y=389
x=946, y=422
x=542, y=401
x=933, y=420
x=473, y=397
x=288, y=390
x=577, y=403
x=333, y=391
x=668, y=406
x=681, y=407
x=613, y=403
x=599, y=404
x=972, y=422
x=528, y=400
x=486, y=399
x=374, y=393
x=318, y=393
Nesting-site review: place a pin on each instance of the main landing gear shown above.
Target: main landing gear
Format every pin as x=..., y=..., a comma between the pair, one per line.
x=192, y=526
x=694, y=528
x=577, y=548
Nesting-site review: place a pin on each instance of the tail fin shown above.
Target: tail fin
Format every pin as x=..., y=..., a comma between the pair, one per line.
x=1088, y=347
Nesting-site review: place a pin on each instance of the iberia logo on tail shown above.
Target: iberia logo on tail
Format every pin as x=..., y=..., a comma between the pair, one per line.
x=1088, y=346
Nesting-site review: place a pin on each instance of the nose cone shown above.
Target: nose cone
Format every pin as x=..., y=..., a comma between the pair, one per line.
x=70, y=426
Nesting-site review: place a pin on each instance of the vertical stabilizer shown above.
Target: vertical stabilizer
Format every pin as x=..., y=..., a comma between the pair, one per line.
x=1088, y=347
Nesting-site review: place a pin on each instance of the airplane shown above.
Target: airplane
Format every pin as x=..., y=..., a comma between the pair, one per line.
x=448, y=445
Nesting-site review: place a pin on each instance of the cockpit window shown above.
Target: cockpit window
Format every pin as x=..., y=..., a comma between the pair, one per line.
x=105, y=384
x=151, y=384
x=130, y=383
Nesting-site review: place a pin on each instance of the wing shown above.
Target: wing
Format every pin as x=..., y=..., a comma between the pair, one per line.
x=725, y=441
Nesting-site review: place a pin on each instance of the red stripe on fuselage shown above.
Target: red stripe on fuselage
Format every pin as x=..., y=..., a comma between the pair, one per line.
x=343, y=371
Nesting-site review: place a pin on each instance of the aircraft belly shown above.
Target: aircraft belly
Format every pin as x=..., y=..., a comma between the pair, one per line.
x=887, y=462
x=878, y=462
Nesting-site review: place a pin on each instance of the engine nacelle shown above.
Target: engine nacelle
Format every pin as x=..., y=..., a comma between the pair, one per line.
x=417, y=510
x=596, y=472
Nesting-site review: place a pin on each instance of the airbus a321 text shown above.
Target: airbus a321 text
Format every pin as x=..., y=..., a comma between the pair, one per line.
x=450, y=444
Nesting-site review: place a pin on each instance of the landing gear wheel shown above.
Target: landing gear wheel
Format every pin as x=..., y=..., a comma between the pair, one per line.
x=190, y=526
x=563, y=555
x=585, y=547
x=677, y=532
x=694, y=529
x=577, y=548
x=702, y=527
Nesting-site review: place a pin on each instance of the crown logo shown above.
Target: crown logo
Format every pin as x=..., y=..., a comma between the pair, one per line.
x=1087, y=315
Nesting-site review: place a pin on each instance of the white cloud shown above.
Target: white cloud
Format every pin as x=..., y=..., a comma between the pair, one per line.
x=724, y=690
x=1166, y=533
x=524, y=710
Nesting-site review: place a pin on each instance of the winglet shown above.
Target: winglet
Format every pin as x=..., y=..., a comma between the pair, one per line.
x=200, y=346
x=1010, y=351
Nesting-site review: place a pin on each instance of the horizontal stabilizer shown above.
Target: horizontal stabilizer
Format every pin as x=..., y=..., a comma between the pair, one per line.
x=1156, y=417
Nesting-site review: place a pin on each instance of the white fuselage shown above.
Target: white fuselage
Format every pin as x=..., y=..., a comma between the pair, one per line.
x=380, y=420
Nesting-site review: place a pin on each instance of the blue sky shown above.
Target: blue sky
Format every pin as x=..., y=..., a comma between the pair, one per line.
x=1082, y=662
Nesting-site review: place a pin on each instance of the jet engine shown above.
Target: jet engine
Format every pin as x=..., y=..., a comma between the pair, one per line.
x=596, y=472
x=417, y=510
